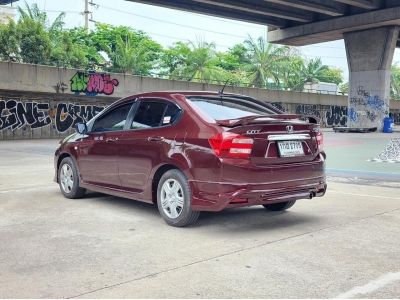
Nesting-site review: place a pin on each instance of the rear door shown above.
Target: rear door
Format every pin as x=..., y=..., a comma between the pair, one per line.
x=148, y=139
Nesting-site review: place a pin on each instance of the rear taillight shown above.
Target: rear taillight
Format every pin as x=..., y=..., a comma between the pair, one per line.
x=320, y=141
x=232, y=145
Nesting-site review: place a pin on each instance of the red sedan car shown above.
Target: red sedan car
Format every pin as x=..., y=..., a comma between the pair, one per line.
x=194, y=151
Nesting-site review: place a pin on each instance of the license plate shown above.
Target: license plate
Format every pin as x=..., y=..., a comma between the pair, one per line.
x=290, y=148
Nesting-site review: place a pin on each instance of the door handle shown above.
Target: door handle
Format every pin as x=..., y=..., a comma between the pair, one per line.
x=155, y=138
x=111, y=140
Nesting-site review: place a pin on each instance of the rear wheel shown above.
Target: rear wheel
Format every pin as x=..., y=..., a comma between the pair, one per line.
x=68, y=179
x=174, y=199
x=280, y=206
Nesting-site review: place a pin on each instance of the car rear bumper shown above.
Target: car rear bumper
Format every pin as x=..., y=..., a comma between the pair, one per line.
x=211, y=196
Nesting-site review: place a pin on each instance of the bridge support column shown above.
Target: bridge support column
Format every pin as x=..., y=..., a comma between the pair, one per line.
x=369, y=56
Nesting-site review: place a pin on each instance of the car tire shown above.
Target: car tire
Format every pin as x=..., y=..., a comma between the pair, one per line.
x=68, y=179
x=174, y=199
x=279, y=206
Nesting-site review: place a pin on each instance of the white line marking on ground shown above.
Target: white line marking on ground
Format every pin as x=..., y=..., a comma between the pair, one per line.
x=371, y=286
x=363, y=195
x=23, y=189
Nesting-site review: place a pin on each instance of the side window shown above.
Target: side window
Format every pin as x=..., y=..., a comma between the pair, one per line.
x=148, y=114
x=112, y=120
x=170, y=115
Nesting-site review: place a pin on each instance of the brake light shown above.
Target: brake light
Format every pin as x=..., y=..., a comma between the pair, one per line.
x=232, y=145
x=320, y=141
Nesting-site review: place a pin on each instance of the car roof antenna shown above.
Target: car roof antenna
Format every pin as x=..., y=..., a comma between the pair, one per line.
x=221, y=92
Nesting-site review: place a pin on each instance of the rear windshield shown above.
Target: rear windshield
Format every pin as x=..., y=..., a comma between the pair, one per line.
x=224, y=109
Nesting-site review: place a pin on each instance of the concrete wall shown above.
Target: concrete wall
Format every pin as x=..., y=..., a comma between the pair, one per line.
x=46, y=102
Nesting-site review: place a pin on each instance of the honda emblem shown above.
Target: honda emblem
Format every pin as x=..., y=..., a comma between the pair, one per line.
x=289, y=129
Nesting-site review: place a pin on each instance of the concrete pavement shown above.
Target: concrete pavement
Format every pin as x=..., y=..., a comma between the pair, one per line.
x=108, y=247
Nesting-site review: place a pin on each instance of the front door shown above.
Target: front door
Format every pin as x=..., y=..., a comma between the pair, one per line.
x=98, y=152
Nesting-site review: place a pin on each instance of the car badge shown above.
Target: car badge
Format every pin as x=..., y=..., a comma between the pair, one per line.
x=253, y=131
x=289, y=129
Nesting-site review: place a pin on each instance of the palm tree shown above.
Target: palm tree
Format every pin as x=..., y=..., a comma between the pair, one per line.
x=313, y=71
x=264, y=61
x=129, y=57
x=199, y=63
x=34, y=13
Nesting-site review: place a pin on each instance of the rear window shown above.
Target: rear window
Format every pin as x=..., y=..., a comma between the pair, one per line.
x=224, y=109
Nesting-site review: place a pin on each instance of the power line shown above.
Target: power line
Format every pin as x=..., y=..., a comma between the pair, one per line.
x=172, y=23
x=189, y=26
x=185, y=39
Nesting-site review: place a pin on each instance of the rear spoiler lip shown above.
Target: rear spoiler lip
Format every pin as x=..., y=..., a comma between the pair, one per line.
x=253, y=119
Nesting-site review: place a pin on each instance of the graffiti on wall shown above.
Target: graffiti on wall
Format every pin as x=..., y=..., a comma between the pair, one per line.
x=278, y=105
x=32, y=115
x=16, y=114
x=93, y=83
x=67, y=115
x=308, y=109
x=336, y=115
x=367, y=107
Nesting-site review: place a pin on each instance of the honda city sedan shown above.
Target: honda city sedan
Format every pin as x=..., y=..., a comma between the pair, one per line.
x=188, y=152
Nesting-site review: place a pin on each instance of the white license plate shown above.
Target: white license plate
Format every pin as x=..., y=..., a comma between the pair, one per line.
x=290, y=148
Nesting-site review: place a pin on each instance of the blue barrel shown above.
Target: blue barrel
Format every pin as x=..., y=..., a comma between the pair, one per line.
x=388, y=125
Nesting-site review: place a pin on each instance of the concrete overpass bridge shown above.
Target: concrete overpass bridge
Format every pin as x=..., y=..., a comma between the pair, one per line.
x=370, y=29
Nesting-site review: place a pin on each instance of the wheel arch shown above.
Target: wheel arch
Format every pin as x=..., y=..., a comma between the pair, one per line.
x=60, y=159
x=157, y=176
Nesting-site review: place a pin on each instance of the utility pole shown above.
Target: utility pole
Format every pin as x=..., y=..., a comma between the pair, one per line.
x=86, y=14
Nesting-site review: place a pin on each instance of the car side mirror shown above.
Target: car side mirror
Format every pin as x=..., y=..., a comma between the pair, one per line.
x=81, y=128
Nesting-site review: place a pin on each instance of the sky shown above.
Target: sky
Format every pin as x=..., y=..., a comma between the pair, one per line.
x=167, y=26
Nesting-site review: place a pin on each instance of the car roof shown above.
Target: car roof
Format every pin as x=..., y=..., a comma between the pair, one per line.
x=170, y=95
x=185, y=93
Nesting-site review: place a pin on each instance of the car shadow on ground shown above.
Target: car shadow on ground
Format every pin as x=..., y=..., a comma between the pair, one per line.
x=233, y=219
x=253, y=218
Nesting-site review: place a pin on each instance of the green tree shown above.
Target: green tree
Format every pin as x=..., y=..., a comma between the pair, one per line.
x=34, y=42
x=332, y=75
x=42, y=42
x=233, y=59
x=313, y=71
x=344, y=88
x=129, y=51
x=66, y=53
x=395, y=82
x=82, y=39
x=9, y=41
x=264, y=61
x=194, y=62
x=290, y=70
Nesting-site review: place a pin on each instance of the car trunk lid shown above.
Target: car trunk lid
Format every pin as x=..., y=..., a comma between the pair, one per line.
x=277, y=139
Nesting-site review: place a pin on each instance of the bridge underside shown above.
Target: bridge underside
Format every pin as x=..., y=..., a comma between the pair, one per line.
x=297, y=22
x=370, y=29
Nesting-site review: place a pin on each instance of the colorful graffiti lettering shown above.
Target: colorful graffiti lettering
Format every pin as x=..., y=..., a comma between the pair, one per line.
x=15, y=114
x=93, y=84
x=68, y=115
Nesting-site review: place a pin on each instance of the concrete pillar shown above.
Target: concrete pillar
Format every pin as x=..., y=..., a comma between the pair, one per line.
x=369, y=56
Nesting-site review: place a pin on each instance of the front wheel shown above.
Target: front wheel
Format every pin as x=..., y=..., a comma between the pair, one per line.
x=68, y=179
x=280, y=206
x=174, y=199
